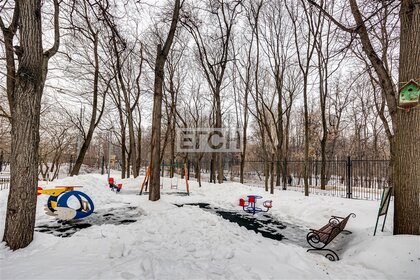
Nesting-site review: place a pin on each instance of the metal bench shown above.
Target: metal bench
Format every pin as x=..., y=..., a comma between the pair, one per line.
x=318, y=239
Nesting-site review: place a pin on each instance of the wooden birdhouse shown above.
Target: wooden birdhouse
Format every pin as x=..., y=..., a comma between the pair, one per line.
x=409, y=95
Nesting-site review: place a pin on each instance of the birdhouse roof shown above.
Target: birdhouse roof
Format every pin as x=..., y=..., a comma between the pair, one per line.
x=411, y=82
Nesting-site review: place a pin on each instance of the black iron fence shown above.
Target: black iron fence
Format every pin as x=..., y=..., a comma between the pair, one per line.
x=359, y=179
x=4, y=180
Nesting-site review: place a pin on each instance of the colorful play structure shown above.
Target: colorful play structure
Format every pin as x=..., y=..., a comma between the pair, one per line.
x=113, y=186
x=57, y=204
x=249, y=204
x=146, y=180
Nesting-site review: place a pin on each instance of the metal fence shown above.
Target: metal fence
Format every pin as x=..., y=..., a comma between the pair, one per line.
x=4, y=180
x=358, y=179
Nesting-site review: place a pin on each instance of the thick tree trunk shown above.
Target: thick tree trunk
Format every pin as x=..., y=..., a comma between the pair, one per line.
x=406, y=174
x=154, y=193
x=26, y=105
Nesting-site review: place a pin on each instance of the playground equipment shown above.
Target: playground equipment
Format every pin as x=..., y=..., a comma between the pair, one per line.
x=174, y=186
x=113, y=186
x=146, y=180
x=57, y=204
x=249, y=206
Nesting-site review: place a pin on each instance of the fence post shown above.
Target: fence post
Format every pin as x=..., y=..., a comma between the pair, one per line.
x=349, y=171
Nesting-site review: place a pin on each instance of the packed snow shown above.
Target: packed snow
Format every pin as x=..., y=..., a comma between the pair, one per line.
x=159, y=240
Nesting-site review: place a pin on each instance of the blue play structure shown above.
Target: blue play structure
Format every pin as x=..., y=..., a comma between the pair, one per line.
x=249, y=205
x=57, y=204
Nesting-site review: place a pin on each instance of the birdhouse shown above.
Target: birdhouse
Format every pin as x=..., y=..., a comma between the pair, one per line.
x=409, y=95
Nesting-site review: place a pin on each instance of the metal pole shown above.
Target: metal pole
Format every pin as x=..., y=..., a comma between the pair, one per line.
x=349, y=195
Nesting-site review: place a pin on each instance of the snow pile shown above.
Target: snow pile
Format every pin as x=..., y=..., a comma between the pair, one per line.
x=170, y=242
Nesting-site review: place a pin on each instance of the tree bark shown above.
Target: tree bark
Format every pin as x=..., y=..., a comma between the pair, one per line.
x=406, y=174
x=25, y=114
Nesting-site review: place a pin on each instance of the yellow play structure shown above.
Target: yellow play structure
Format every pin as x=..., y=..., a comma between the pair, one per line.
x=145, y=183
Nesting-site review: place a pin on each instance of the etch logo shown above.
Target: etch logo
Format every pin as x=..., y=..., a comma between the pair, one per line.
x=208, y=140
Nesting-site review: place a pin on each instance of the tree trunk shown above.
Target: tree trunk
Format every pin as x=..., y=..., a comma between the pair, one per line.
x=272, y=174
x=219, y=156
x=199, y=171
x=242, y=167
x=306, y=152
x=406, y=174
x=138, y=163
x=93, y=121
x=266, y=173
x=161, y=57
x=405, y=151
x=154, y=193
x=132, y=158
x=123, y=147
x=26, y=105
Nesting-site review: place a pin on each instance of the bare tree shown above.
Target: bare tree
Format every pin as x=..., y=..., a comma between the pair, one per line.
x=214, y=55
x=24, y=88
x=406, y=123
x=304, y=60
x=161, y=56
x=82, y=22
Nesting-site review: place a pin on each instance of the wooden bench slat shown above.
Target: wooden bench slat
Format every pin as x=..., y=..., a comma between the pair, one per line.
x=327, y=233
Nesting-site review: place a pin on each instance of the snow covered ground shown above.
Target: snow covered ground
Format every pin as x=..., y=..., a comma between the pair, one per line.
x=170, y=242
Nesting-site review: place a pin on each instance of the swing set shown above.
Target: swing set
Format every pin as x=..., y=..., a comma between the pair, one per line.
x=146, y=180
